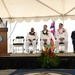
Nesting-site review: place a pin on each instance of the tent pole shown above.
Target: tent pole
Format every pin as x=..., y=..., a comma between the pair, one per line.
x=6, y=7
x=69, y=11
x=10, y=34
x=48, y=7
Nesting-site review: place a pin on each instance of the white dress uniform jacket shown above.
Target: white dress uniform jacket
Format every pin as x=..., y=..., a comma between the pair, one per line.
x=45, y=34
x=33, y=37
x=61, y=33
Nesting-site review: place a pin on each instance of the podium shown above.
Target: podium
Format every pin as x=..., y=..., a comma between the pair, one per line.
x=3, y=41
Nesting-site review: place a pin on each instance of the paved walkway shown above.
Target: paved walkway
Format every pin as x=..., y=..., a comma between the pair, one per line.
x=7, y=71
x=37, y=72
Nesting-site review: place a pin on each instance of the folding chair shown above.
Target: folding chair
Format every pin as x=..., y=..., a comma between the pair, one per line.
x=62, y=47
x=18, y=43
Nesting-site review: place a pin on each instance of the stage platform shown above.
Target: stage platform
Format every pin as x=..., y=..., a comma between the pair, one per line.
x=29, y=61
x=38, y=54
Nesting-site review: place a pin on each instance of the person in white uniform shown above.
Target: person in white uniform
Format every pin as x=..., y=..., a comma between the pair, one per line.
x=31, y=38
x=45, y=37
x=61, y=37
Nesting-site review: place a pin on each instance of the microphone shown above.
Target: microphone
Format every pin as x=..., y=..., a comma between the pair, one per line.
x=5, y=24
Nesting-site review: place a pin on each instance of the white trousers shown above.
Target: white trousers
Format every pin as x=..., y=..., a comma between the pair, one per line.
x=42, y=43
x=65, y=45
x=33, y=44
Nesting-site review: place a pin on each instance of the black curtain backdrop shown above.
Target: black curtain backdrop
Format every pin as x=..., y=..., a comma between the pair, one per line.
x=32, y=63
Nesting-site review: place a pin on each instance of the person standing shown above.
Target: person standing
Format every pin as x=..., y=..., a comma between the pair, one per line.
x=73, y=40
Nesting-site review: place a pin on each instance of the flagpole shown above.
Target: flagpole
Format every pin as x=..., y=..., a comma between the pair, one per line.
x=63, y=19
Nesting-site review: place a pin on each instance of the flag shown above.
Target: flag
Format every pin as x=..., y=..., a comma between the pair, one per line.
x=52, y=30
x=52, y=27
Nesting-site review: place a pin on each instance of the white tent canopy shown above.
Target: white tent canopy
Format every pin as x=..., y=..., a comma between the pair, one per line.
x=37, y=9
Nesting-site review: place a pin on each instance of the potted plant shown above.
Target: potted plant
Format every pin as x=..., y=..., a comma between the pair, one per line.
x=48, y=58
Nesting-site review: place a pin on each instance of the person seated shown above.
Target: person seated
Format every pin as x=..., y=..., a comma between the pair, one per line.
x=31, y=38
x=45, y=37
x=61, y=37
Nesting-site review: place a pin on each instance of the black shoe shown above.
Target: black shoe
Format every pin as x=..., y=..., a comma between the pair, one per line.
x=45, y=43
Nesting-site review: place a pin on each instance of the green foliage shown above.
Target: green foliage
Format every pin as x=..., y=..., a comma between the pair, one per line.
x=48, y=45
x=45, y=59
x=54, y=62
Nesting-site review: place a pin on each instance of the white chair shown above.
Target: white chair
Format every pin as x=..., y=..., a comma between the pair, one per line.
x=61, y=47
x=18, y=44
x=31, y=48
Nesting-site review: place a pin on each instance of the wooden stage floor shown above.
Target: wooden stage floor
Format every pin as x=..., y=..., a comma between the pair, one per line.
x=38, y=54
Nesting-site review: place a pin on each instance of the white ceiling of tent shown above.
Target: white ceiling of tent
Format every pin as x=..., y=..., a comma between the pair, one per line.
x=37, y=9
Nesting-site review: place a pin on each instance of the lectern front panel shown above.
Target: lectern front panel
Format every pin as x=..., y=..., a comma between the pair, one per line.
x=3, y=41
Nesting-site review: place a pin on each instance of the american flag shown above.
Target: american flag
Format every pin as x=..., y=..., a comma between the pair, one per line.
x=52, y=30
x=52, y=27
